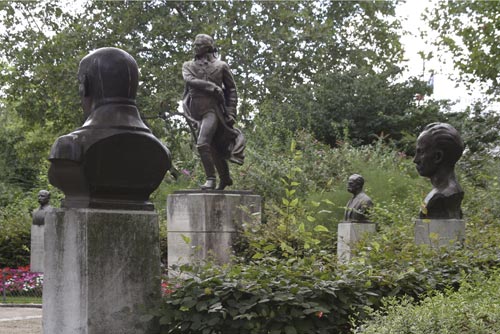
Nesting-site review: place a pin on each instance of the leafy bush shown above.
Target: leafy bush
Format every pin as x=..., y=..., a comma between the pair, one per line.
x=287, y=279
x=309, y=294
x=475, y=308
x=15, y=224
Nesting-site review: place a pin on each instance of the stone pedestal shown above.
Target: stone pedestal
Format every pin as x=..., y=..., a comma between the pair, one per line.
x=205, y=223
x=348, y=234
x=439, y=232
x=101, y=268
x=37, y=248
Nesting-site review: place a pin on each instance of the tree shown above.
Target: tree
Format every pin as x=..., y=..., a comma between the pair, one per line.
x=470, y=30
x=274, y=48
x=358, y=105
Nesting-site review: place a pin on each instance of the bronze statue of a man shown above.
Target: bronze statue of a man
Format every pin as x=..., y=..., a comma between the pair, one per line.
x=39, y=214
x=439, y=147
x=360, y=203
x=210, y=98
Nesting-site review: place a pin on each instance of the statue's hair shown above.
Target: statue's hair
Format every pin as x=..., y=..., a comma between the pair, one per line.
x=445, y=137
x=358, y=179
x=44, y=191
x=210, y=41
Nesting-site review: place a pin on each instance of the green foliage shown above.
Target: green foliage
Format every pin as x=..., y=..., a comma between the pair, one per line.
x=368, y=105
x=311, y=294
x=280, y=285
x=475, y=308
x=15, y=224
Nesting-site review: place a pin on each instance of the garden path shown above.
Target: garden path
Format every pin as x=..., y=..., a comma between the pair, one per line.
x=20, y=320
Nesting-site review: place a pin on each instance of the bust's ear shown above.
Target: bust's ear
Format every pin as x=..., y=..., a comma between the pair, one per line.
x=84, y=86
x=438, y=156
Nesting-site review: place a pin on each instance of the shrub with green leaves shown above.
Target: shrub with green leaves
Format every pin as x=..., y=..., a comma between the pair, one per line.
x=475, y=308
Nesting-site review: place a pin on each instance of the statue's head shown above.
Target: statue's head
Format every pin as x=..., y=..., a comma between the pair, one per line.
x=107, y=75
x=203, y=44
x=355, y=184
x=439, y=145
x=43, y=197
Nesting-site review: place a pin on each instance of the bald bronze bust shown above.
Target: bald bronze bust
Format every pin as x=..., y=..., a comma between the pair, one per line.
x=360, y=203
x=113, y=161
x=439, y=147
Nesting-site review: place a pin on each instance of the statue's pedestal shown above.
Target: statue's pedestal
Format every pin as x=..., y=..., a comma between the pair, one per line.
x=439, y=232
x=349, y=234
x=101, y=268
x=205, y=224
x=37, y=249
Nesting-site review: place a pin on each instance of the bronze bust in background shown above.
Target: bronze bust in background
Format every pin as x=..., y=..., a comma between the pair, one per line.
x=439, y=147
x=360, y=203
x=211, y=99
x=39, y=214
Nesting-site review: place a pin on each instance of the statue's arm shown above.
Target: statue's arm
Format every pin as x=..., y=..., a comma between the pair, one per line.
x=230, y=94
x=193, y=82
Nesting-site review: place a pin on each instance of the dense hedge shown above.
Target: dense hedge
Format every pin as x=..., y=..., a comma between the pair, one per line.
x=475, y=308
x=311, y=294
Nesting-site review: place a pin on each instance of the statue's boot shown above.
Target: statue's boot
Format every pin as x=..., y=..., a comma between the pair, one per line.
x=223, y=170
x=208, y=165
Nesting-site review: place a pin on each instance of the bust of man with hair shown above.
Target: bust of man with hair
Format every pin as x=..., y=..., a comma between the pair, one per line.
x=113, y=161
x=39, y=214
x=439, y=147
x=360, y=203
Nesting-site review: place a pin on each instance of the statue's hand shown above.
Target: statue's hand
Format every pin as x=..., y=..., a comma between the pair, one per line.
x=219, y=93
x=230, y=120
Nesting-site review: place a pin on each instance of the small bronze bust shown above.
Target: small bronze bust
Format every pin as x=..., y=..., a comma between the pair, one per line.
x=360, y=203
x=113, y=161
x=39, y=214
x=210, y=98
x=439, y=147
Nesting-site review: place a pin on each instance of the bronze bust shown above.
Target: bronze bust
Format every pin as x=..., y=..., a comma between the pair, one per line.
x=113, y=161
x=439, y=147
x=360, y=203
x=210, y=98
x=39, y=214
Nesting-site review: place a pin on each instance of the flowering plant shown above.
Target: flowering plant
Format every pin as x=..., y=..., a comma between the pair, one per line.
x=20, y=280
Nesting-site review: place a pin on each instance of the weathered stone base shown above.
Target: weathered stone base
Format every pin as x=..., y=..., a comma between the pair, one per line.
x=349, y=234
x=439, y=232
x=205, y=224
x=101, y=268
x=37, y=249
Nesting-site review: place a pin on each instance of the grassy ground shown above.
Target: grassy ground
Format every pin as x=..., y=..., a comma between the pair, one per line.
x=20, y=300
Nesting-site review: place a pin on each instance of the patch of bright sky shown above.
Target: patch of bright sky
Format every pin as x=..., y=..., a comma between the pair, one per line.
x=410, y=13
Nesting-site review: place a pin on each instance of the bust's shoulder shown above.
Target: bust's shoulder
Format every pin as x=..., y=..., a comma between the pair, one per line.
x=364, y=198
x=67, y=147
